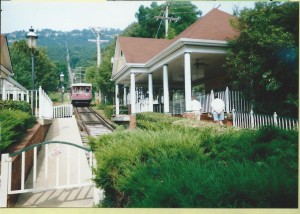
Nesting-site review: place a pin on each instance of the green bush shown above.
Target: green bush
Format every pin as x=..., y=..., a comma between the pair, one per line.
x=14, y=124
x=174, y=162
x=15, y=105
x=177, y=183
x=107, y=109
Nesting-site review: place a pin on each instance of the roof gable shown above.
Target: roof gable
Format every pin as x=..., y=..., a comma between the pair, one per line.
x=215, y=25
x=6, y=65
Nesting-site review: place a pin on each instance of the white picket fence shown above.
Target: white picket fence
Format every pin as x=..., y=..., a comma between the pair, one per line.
x=63, y=111
x=251, y=120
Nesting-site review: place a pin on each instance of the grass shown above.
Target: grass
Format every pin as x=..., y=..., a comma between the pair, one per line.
x=174, y=162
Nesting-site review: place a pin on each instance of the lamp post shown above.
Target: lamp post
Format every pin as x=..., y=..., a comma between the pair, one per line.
x=62, y=87
x=31, y=38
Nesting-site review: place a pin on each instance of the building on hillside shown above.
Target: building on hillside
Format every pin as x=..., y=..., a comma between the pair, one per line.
x=9, y=88
x=164, y=74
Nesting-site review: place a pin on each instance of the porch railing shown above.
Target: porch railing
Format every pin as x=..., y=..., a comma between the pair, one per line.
x=232, y=99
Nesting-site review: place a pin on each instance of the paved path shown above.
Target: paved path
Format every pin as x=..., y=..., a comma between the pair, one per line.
x=62, y=129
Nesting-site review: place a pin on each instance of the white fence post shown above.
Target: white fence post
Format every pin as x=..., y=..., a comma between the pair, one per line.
x=4, y=179
x=233, y=117
x=252, y=119
x=40, y=103
x=275, y=119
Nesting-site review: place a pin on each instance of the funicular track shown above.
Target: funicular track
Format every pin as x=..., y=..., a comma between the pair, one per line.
x=91, y=123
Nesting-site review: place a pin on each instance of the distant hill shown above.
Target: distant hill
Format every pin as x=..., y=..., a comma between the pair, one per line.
x=82, y=52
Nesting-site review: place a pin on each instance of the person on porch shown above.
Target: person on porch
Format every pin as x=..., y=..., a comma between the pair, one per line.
x=196, y=107
x=218, y=107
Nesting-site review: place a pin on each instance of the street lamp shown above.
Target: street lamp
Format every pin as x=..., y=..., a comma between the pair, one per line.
x=62, y=87
x=31, y=38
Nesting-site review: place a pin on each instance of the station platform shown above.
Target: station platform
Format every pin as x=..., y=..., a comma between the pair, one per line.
x=61, y=129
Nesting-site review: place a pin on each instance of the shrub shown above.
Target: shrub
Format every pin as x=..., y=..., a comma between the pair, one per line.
x=108, y=111
x=174, y=162
x=15, y=105
x=177, y=183
x=14, y=124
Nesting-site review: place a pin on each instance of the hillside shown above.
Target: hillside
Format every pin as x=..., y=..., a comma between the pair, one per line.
x=82, y=52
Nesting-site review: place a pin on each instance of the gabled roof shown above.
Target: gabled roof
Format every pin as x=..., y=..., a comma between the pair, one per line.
x=140, y=50
x=215, y=25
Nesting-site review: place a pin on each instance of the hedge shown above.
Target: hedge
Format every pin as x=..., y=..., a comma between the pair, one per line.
x=15, y=119
x=172, y=162
x=15, y=105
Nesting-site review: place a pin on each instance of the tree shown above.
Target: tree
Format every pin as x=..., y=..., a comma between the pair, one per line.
x=263, y=61
x=44, y=68
x=150, y=27
x=100, y=76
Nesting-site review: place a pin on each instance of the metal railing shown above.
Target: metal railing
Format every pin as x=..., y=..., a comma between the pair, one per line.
x=63, y=111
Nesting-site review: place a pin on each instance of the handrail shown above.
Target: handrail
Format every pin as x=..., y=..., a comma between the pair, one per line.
x=48, y=142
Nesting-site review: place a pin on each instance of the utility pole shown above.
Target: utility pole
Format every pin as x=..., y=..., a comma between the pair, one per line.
x=167, y=18
x=96, y=32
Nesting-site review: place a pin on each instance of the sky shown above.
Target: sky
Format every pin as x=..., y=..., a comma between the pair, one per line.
x=70, y=15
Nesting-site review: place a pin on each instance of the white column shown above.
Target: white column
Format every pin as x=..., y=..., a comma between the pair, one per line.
x=15, y=93
x=132, y=93
x=150, y=89
x=117, y=100
x=22, y=95
x=125, y=96
x=166, y=89
x=3, y=89
x=187, y=81
x=27, y=96
x=227, y=99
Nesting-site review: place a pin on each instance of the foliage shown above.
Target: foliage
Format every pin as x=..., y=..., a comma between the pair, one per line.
x=44, y=69
x=108, y=111
x=15, y=105
x=14, y=124
x=185, y=163
x=263, y=60
x=149, y=27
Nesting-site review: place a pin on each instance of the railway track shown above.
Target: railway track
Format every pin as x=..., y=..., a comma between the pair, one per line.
x=90, y=123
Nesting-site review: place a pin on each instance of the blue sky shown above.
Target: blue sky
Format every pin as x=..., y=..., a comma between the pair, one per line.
x=68, y=15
